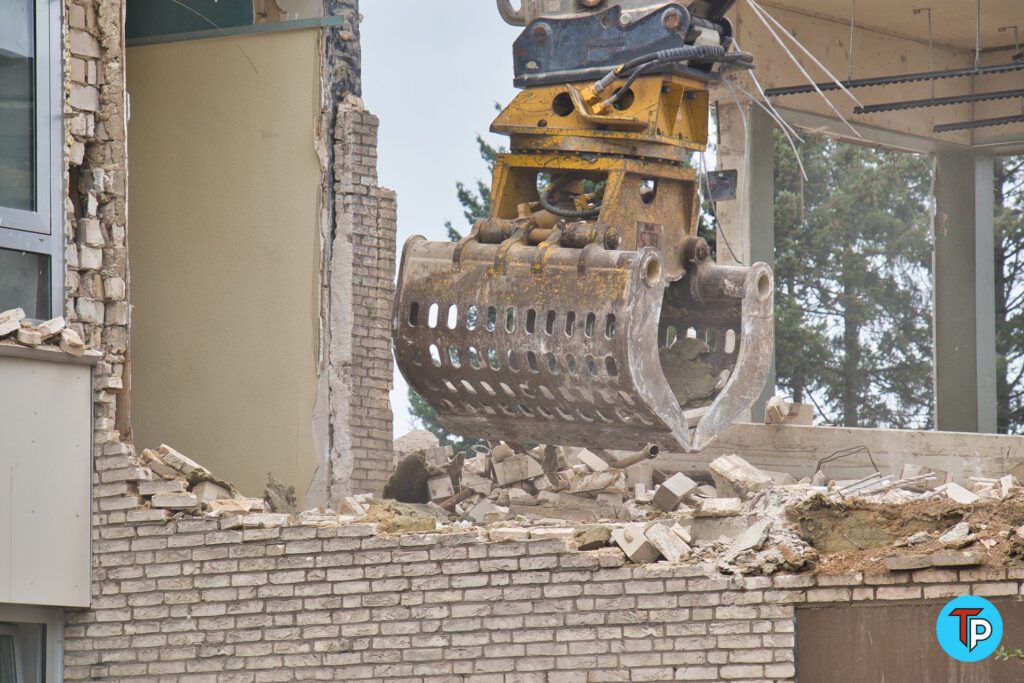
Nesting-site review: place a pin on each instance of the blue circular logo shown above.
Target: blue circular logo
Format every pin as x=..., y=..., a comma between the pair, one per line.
x=969, y=628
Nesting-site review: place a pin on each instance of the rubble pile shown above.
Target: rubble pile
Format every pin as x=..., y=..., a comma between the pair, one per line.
x=736, y=516
x=733, y=517
x=15, y=328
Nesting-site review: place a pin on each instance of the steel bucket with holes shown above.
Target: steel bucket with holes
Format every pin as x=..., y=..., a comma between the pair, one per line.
x=561, y=346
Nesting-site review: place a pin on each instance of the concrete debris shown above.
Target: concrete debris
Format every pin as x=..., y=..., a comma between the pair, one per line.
x=669, y=544
x=959, y=494
x=634, y=543
x=670, y=494
x=440, y=488
x=51, y=334
x=779, y=411
x=10, y=321
x=592, y=538
x=957, y=535
x=747, y=523
x=735, y=477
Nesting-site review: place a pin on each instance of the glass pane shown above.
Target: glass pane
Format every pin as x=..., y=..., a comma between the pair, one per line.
x=8, y=672
x=25, y=282
x=17, y=104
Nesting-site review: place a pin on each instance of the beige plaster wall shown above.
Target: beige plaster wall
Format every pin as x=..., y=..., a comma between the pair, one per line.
x=224, y=209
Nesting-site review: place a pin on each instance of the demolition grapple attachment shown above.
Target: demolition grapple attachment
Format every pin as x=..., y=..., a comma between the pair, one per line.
x=585, y=310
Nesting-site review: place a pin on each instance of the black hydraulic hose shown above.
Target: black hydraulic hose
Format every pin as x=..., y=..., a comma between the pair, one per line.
x=578, y=214
x=685, y=53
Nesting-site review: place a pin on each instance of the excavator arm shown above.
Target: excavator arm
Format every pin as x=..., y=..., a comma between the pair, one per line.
x=585, y=310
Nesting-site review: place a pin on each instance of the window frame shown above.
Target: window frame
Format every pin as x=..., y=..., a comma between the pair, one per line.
x=53, y=620
x=42, y=231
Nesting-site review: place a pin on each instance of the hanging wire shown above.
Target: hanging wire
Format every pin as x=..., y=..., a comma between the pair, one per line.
x=714, y=209
x=764, y=17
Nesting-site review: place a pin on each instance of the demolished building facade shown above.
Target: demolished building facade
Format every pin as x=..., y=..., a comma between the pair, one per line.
x=168, y=578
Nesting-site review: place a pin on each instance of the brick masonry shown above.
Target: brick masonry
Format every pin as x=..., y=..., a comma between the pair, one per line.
x=363, y=267
x=97, y=262
x=188, y=601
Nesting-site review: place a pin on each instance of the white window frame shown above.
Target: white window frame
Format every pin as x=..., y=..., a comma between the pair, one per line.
x=42, y=231
x=53, y=619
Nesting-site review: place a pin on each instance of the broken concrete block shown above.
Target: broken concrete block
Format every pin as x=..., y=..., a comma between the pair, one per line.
x=10, y=321
x=683, y=532
x=71, y=343
x=516, y=468
x=179, y=462
x=208, y=490
x=51, y=327
x=608, y=480
x=591, y=460
x=479, y=513
x=911, y=471
x=633, y=541
x=440, y=488
x=751, y=539
x=905, y=563
x=955, y=558
x=175, y=501
x=153, y=461
x=956, y=535
x=958, y=494
x=640, y=473
x=479, y=484
x=718, y=507
x=671, y=547
x=592, y=538
x=351, y=505
x=641, y=494
x=508, y=534
x=159, y=487
x=29, y=336
x=735, y=477
x=610, y=499
x=780, y=411
x=670, y=494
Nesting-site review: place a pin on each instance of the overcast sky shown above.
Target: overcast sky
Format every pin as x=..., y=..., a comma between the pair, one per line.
x=432, y=72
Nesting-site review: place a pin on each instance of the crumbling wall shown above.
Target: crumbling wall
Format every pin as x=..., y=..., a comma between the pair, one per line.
x=198, y=600
x=96, y=255
x=362, y=288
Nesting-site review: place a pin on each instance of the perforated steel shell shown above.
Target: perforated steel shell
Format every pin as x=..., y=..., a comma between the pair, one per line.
x=564, y=352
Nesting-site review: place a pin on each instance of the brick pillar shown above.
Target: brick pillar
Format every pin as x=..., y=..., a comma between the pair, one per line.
x=362, y=288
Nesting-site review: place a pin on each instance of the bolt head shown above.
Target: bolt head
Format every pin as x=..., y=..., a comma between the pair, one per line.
x=672, y=20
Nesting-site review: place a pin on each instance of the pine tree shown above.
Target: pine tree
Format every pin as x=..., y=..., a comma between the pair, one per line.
x=853, y=301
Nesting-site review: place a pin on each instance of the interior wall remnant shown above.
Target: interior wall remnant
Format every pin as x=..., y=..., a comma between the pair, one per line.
x=226, y=251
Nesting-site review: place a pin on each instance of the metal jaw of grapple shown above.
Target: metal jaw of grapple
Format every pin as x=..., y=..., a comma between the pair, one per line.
x=554, y=345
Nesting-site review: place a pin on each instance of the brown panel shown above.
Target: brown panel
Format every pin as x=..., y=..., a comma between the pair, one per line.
x=894, y=643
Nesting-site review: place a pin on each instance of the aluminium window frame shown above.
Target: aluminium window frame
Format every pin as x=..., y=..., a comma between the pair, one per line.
x=42, y=231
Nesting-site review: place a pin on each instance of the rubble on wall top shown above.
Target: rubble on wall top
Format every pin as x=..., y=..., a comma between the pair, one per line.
x=736, y=518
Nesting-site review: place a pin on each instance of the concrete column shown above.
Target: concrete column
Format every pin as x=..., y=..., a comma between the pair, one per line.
x=964, y=293
x=746, y=225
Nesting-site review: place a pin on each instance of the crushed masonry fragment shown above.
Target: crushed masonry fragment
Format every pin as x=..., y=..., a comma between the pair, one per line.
x=734, y=519
x=17, y=330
